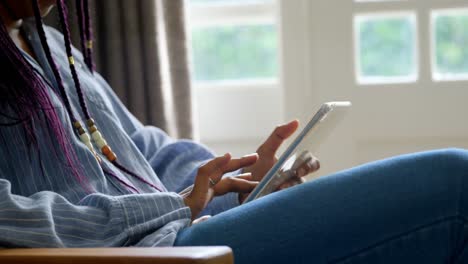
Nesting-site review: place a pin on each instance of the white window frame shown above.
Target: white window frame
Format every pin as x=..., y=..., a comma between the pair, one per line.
x=232, y=13
x=241, y=111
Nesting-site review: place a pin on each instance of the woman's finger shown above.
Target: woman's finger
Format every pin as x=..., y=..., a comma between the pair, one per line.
x=291, y=182
x=246, y=176
x=233, y=184
x=245, y=161
x=210, y=173
x=273, y=142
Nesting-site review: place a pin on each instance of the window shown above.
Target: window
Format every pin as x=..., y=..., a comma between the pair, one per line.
x=450, y=44
x=233, y=40
x=234, y=51
x=345, y=51
x=386, y=48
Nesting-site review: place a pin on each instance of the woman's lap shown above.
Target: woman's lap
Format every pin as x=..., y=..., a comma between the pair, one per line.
x=409, y=209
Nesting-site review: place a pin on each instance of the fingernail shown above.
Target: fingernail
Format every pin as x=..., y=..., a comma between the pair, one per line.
x=292, y=121
x=250, y=155
x=316, y=164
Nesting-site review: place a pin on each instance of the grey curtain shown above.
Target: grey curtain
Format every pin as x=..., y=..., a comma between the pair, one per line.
x=141, y=50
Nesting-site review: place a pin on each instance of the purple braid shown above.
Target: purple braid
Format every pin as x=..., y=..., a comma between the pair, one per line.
x=122, y=168
x=24, y=97
x=89, y=35
x=135, y=190
x=81, y=27
x=50, y=59
x=63, y=15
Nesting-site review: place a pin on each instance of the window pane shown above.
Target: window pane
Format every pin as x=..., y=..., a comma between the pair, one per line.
x=451, y=45
x=386, y=48
x=234, y=52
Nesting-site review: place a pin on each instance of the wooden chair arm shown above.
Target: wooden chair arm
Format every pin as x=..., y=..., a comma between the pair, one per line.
x=167, y=255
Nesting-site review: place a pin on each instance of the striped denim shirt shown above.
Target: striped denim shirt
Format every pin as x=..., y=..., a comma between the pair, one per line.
x=43, y=205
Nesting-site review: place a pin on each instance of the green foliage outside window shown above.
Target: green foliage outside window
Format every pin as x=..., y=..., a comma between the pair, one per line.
x=451, y=44
x=387, y=47
x=234, y=52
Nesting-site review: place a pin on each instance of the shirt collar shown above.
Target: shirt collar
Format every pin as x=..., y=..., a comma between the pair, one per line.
x=41, y=66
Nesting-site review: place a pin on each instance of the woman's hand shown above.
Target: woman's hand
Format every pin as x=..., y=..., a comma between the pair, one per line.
x=209, y=181
x=267, y=157
x=304, y=164
x=267, y=151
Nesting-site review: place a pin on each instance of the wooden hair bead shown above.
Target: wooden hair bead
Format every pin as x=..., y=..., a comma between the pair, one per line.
x=111, y=156
x=77, y=124
x=81, y=131
x=90, y=122
x=92, y=129
x=89, y=44
x=106, y=150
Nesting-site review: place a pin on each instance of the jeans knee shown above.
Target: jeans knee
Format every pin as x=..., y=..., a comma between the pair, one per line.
x=452, y=159
x=447, y=165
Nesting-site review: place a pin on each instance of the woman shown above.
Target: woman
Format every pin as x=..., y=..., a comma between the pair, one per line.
x=78, y=170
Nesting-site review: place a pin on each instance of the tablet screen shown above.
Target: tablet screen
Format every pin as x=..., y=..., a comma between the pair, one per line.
x=301, y=148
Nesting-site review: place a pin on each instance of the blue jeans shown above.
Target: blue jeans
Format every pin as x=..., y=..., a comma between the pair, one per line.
x=407, y=209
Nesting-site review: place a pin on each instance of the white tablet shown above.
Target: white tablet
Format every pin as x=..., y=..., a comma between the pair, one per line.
x=300, y=150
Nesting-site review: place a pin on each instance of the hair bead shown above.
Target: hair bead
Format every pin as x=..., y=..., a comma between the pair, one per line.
x=79, y=127
x=89, y=44
x=90, y=122
x=92, y=129
x=71, y=60
x=85, y=138
x=97, y=135
x=106, y=150
x=101, y=143
x=77, y=124
x=111, y=156
x=81, y=131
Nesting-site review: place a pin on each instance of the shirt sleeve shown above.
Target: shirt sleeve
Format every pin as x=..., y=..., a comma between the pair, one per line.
x=47, y=219
x=176, y=162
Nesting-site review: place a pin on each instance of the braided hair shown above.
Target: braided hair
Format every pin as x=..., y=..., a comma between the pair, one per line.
x=24, y=93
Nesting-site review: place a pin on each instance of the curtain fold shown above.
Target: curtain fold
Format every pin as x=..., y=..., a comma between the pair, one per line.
x=141, y=50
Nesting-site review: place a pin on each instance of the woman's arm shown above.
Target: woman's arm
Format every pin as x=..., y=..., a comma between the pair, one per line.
x=176, y=162
x=47, y=219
